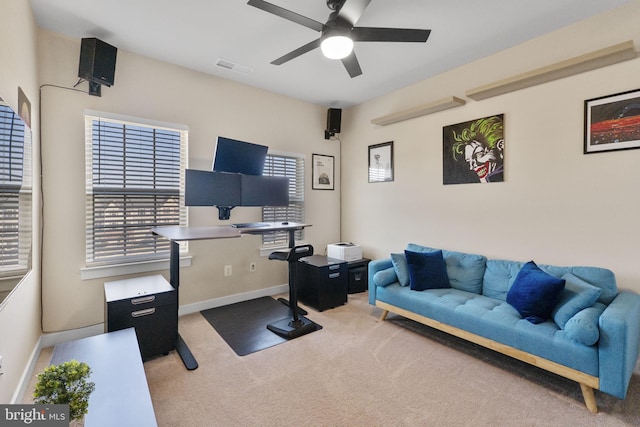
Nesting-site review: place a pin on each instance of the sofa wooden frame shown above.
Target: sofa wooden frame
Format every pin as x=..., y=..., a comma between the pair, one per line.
x=587, y=382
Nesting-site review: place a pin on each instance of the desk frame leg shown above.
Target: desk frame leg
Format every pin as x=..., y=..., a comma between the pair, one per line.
x=189, y=361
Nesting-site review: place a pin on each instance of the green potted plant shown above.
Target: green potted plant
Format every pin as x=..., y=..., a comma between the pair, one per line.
x=66, y=383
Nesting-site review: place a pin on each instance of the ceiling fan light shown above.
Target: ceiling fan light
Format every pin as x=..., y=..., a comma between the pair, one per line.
x=336, y=47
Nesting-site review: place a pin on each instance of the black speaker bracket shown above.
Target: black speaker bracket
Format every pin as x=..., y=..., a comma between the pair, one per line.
x=95, y=89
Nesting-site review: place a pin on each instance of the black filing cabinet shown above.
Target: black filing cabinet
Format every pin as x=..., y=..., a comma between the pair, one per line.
x=321, y=282
x=150, y=305
x=358, y=275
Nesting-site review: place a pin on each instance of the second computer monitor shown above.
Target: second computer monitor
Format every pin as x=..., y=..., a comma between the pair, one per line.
x=239, y=157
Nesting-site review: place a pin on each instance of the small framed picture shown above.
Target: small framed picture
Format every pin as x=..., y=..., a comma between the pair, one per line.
x=381, y=162
x=612, y=122
x=323, y=172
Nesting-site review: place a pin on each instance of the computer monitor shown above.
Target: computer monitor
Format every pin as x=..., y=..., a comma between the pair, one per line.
x=264, y=191
x=239, y=157
x=204, y=188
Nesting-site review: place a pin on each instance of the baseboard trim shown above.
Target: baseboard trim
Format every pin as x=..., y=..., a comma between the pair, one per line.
x=18, y=395
x=52, y=338
x=232, y=299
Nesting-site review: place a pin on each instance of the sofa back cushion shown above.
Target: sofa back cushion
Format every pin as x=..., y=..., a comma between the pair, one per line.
x=465, y=271
x=500, y=274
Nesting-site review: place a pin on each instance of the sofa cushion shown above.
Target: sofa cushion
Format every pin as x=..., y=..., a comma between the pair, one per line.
x=577, y=295
x=402, y=270
x=535, y=293
x=427, y=270
x=385, y=277
x=495, y=320
x=498, y=277
x=465, y=271
x=583, y=327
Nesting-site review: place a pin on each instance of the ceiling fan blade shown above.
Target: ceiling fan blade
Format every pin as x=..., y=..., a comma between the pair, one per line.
x=287, y=14
x=295, y=53
x=370, y=34
x=352, y=65
x=352, y=10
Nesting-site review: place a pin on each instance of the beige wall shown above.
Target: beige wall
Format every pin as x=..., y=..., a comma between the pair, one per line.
x=210, y=107
x=555, y=206
x=20, y=312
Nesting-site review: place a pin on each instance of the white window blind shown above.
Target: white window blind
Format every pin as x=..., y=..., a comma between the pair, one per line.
x=290, y=166
x=15, y=194
x=135, y=181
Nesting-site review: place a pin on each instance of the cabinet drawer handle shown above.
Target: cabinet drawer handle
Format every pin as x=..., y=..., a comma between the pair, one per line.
x=143, y=300
x=141, y=313
x=334, y=267
x=334, y=275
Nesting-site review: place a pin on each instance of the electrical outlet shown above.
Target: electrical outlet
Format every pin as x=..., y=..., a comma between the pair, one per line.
x=228, y=271
x=252, y=267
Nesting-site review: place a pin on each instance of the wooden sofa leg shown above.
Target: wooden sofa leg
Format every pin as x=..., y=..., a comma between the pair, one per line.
x=589, y=398
x=383, y=317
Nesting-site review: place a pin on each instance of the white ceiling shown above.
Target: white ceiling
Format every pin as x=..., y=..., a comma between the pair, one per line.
x=197, y=33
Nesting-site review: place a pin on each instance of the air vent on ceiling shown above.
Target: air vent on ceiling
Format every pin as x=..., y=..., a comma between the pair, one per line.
x=228, y=65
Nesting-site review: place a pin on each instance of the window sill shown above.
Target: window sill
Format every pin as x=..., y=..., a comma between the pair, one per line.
x=102, y=271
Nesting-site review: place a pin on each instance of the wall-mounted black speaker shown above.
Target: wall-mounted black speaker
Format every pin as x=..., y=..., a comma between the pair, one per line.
x=97, y=61
x=334, y=118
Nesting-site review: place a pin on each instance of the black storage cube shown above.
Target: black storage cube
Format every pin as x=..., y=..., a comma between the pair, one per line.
x=358, y=276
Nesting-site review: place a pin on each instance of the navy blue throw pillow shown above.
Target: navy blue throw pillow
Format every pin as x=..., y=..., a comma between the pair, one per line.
x=535, y=293
x=427, y=270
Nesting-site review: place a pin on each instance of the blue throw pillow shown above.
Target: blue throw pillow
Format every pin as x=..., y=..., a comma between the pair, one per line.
x=402, y=270
x=584, y=326
x=385, y=277
x=535, y=293
x=577, y=295
x=427, y=270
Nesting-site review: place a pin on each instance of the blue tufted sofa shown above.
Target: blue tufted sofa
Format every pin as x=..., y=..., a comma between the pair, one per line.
x=597, y=346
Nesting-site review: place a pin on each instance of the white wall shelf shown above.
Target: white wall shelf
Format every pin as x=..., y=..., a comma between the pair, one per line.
x=597, y=59
x=430, y=108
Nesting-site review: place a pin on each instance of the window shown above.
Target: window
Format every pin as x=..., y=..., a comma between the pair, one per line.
x=15, y=194
x=292, y=167
x=135, y=181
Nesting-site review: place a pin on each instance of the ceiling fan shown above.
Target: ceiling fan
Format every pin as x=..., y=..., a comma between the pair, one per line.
x=339, y=32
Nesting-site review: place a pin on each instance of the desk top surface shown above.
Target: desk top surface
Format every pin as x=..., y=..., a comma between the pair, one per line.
x=122, y=395
x=175, y=232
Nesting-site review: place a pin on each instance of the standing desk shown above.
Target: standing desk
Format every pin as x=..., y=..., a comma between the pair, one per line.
x=178, y=234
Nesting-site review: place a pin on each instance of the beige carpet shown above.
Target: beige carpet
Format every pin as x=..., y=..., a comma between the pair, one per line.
x=358, y=371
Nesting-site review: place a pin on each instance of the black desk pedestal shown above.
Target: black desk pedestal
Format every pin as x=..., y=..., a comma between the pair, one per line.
x=322, y=282
x=150, y=305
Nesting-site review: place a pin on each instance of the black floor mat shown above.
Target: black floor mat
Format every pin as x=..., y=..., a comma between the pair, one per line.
x=243, y=325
